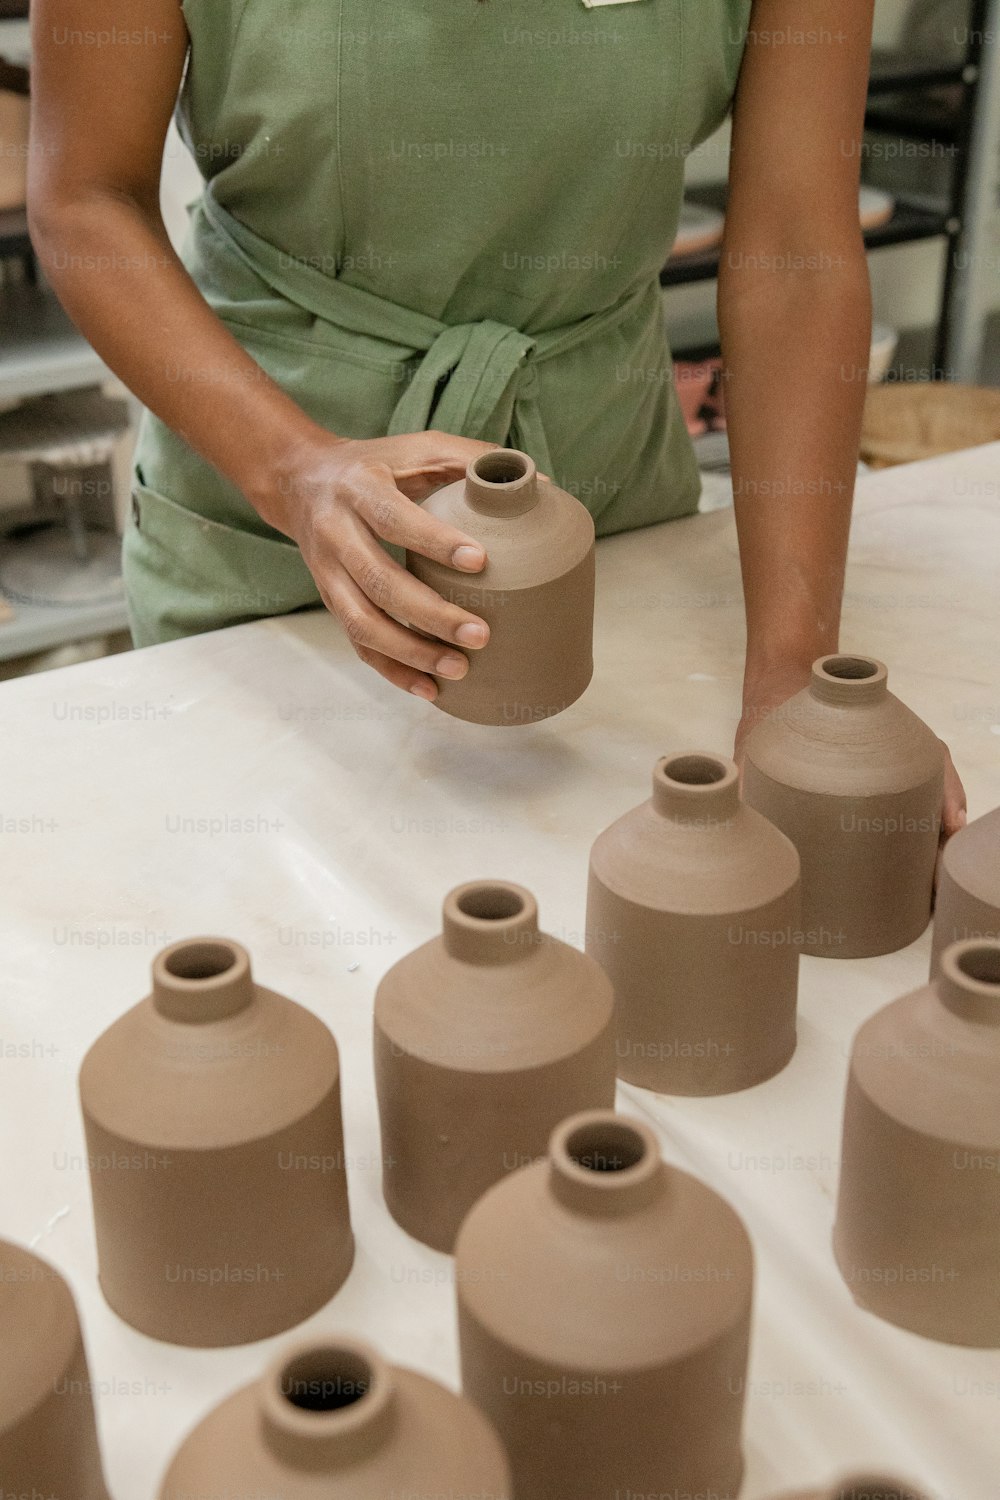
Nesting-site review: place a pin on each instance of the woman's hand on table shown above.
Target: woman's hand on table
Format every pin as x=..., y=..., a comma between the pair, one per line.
x=341, y=500
x=954, y=812
x=764, y=694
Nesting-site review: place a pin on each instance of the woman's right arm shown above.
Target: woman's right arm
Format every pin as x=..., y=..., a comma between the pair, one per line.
x=104, y=80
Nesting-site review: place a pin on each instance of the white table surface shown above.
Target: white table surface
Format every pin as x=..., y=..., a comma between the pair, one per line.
x=339, y=812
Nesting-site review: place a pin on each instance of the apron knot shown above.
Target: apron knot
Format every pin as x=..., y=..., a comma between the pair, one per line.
x=475, y=380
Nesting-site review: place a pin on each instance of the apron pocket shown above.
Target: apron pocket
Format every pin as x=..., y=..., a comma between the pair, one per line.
x=185, y=574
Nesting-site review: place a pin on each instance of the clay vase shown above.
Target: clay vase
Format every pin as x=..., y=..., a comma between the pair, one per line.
x=693, y=912
x=917, y=1236
x=968, y=893
x=856, y=782
x=485, y=1038
x=216, y=1154
x=536, y=592
x=861, y=1487
x=604, y=1320
x=48, y=1437
x=330, y=1420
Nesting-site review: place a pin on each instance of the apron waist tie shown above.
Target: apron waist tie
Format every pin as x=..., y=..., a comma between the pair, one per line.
x=479, y=362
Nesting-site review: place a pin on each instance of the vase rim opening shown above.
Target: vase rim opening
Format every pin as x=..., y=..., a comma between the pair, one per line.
x=202, y=979
x=197, y=960
x=490, y=921
x=842, y=677
x=697, y=771
x=502, y=468
x=974, y=962
x=849, y=668
x=326, y=1388
x=490, y=901
x=604, y=1151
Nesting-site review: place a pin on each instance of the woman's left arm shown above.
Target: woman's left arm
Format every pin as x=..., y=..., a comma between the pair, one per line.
x=795, y=319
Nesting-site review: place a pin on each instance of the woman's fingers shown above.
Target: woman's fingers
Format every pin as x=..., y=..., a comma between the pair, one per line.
x=954, y=809
x=954, y=813
x=396, y=519
x=433, y=459
x=400, y=676
x=394, y=591
x=369, y=628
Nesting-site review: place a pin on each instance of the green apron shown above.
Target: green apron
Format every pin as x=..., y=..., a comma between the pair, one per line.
x=434, y=213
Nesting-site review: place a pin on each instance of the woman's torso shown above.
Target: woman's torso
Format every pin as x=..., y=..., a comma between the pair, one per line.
x=513, y=162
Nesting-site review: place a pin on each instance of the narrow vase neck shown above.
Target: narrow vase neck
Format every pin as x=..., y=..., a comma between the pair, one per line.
x=697, y=789
x=326, y=1405
x=604, y=1166
x=848, y=680
x=501, y=483
x=969, y=982
x=202, y=980
x=490, y=922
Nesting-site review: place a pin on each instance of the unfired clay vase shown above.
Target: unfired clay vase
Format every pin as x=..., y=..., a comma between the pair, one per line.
x=485, y=1038
x=48, y=1438
x=604, y=1319
x=536, y=592
x=917, y=1236
x=330, y=1420
x=212, y=1113
x=968, y=893
x=693, y=911
x=861, y=1487
x=856, y=782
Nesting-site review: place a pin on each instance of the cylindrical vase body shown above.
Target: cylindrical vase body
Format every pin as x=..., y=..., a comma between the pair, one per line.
x=693, y=912
x=604, y=1318
x=968, y=894
x=917, y=1234
x=216, y=1154
x=485, y=1038
x=48, y=1436
x=536, y=592
x=856, y=781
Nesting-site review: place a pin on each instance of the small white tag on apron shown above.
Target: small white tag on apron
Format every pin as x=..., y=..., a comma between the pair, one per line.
x=591, y=3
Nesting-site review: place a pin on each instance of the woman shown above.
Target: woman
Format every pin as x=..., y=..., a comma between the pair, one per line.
x=450, y=215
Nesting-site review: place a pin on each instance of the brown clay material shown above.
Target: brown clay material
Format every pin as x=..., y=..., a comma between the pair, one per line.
x=856, y=782
x=212, y=1114
x=917, y=1236
x=861, y=1487
x=693, y=911
x=604, y=1319
x=485, y=1038
x=536, y=592
x=968, y=893
x=330, y=1420
x=48, y=1437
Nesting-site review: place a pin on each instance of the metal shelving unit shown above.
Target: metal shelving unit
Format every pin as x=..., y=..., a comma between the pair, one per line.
x=14, y=237
x=910, y=222
x=41, y=353
x=917, y=98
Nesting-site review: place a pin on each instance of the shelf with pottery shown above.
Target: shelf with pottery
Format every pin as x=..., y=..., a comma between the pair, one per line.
x=60, y=572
